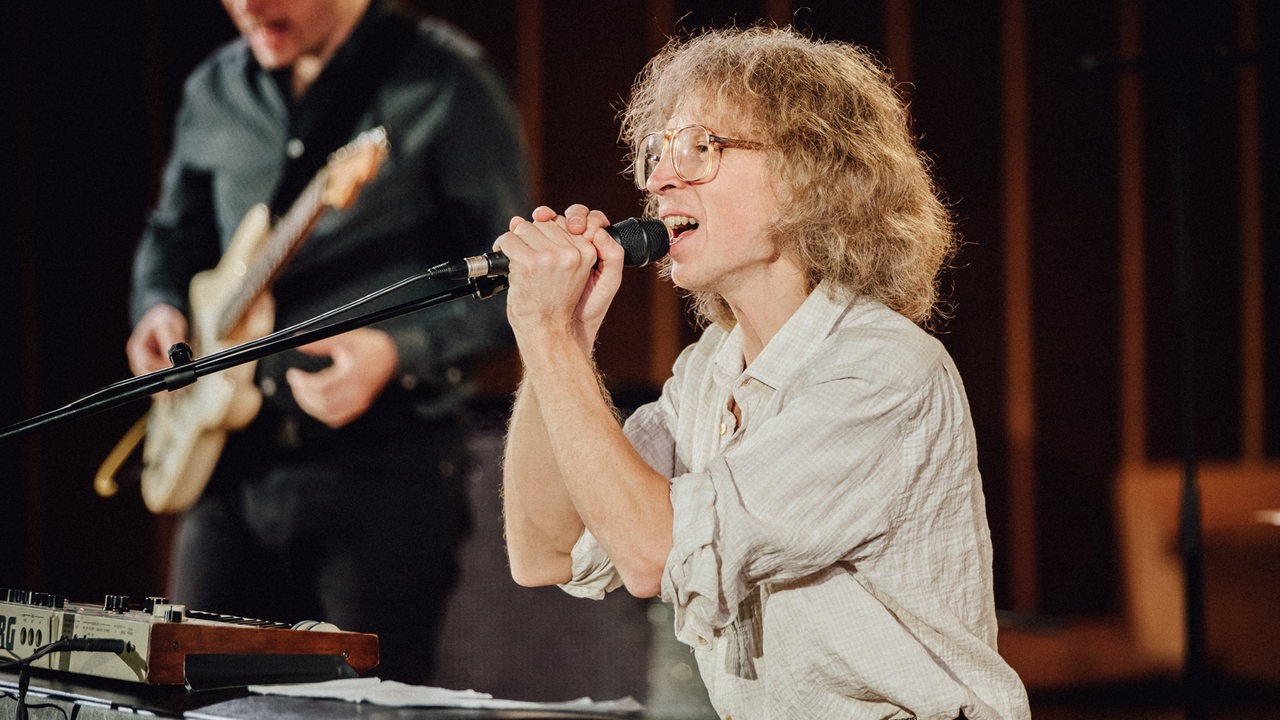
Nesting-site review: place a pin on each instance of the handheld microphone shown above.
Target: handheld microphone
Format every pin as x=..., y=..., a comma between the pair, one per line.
x=642, y=241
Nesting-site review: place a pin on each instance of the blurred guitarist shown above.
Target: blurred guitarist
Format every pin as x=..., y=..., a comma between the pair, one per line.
x=343, y=499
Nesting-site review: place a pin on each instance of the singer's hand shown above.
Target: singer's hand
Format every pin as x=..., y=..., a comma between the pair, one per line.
x=363, y=362
x=565, y=271
x=148, y=346
x=602, y=283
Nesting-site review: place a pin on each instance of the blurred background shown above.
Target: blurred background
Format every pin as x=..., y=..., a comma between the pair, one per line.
x=1112, y=166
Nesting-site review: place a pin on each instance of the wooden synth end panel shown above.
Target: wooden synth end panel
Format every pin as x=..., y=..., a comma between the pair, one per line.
x=160, y=637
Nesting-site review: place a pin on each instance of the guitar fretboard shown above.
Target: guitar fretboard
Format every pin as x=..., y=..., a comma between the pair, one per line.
x=284, y=240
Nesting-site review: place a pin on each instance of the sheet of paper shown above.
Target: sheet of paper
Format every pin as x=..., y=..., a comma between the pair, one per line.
x=396, y=694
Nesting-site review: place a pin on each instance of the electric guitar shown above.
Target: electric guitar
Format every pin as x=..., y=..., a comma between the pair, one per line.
x=186, y=430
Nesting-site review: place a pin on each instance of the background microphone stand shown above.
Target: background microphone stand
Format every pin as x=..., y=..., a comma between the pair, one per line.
x=1185, y=72
x=186, y=370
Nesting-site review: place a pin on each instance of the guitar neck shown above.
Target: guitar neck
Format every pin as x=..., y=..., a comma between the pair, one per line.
x=283, y=241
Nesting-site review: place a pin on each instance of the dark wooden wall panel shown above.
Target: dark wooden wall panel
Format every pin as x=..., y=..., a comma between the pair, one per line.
x=1075, y=223
x=955, y=101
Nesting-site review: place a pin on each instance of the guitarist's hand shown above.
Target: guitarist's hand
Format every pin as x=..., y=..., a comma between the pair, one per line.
x=148, y=345
x=363, y=362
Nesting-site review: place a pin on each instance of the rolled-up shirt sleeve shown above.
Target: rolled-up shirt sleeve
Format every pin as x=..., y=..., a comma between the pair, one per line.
x=594, y=573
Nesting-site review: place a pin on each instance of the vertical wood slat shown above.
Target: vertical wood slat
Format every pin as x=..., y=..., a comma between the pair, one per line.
x=897, y=41
x=1019, y=343
x=661, y=22
x=33, y=446
x=778, y=12
x=157, y=127
x=1133, y=325
x=529, y=89
x=1252, y=301
x=665, y=314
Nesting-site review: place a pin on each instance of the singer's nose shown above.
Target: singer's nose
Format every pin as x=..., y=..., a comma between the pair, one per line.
x=664, y=175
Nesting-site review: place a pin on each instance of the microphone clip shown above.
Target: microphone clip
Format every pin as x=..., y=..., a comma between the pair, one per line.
x=484, y=287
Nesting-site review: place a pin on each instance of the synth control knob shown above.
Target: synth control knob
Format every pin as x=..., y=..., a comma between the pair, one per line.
x=315, y=625
x=116, y=604
x=149, y=605
x=53, y=601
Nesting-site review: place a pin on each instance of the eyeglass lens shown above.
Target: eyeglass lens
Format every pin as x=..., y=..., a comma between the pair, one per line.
x=692, y=154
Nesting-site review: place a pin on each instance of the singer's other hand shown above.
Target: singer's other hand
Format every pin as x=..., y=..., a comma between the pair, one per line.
x=565, y=270
x=148, y=346
x=363, y=362
x=602, y=283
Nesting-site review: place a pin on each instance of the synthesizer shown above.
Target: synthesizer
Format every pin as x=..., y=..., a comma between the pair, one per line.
x=160, y=638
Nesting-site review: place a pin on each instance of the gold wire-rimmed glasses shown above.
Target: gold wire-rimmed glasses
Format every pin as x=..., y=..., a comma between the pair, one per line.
x=696, y=152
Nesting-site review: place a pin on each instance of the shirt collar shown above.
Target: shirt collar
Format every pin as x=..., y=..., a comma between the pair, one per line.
x=797, y=339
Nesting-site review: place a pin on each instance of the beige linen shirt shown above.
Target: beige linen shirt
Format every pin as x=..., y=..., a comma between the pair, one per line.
x=831, y=552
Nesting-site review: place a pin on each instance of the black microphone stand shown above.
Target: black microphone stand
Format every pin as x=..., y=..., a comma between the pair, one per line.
x=187, y=370
x=1186, y=72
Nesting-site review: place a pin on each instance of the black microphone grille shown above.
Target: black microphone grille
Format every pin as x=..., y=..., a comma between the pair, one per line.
x=642, y=241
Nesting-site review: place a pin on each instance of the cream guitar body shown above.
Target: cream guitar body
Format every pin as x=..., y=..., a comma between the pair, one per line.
x=187, y=429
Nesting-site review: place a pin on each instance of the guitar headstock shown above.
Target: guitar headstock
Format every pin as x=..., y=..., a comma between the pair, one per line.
x=353, y=165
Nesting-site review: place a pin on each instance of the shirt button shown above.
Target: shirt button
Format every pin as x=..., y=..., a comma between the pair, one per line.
x=289, y=434
x=723, y=428
x=294, y=148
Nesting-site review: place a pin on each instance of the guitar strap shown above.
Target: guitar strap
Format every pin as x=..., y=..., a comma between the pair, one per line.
x=329, y=114
x=104, y=481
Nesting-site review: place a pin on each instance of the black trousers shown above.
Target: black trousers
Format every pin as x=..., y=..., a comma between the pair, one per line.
x=361, y=531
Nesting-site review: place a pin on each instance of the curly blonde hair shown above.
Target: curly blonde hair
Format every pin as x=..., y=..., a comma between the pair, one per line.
x=857, y=205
